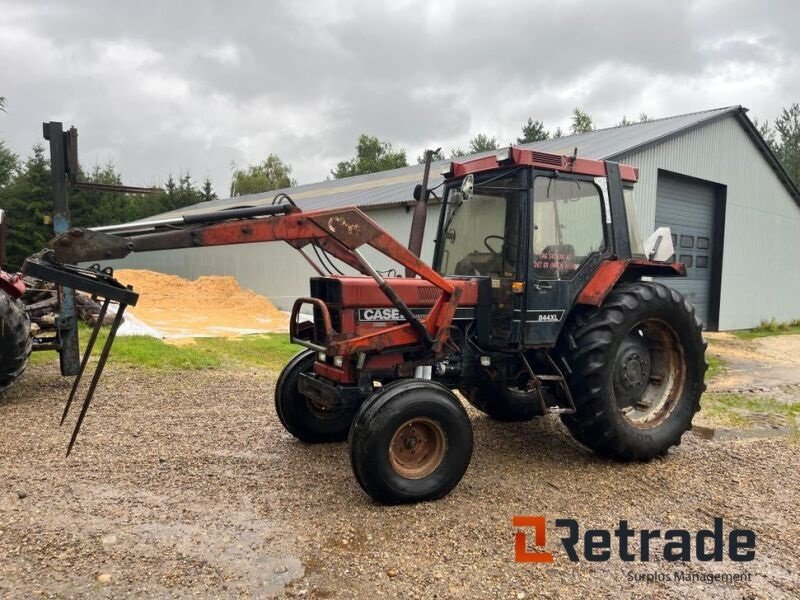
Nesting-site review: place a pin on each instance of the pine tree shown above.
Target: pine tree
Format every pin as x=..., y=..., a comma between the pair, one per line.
x=533, y=131
x=28, y=202
x=207, y=190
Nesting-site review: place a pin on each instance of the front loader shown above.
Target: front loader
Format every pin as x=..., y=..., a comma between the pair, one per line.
x=540, y=300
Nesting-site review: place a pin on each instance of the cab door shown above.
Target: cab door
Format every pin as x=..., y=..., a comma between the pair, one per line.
x=570, y=233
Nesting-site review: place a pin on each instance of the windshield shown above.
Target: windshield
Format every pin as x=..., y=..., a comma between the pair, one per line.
x=480, y=236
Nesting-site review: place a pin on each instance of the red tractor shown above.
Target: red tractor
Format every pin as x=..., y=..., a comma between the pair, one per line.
x=539, y=300
x=15, y=338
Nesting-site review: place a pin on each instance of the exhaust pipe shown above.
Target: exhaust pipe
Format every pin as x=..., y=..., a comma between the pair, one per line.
x=420, y=212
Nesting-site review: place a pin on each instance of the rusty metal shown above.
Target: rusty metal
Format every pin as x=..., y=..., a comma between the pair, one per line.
x=417, y=233
x=322, y=332
x=100, y=283
x=610, y=271
x=101, y=363
x=602, y=282
x=67, y=322
x=339, y=231
x=12, y=284
x=417, y=448
x=87, y=353
x=542, y=160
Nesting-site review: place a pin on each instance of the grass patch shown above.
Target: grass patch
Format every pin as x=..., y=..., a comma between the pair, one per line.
x=270, y=351
x=737, y=410
x=715, y=366
x=768, y=328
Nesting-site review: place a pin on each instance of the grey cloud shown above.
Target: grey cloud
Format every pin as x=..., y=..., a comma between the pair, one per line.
x=163, y=87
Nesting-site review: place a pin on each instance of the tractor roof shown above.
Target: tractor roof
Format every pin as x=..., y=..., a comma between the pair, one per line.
x=540, y=160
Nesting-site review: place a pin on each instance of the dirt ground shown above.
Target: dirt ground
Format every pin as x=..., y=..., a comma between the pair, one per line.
x=188, y=486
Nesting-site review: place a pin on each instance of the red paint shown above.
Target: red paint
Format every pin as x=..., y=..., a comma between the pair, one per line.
x=609, y=272
x=648, y=267
x=360, y=292
x=546, y=161
x=12, y=284
x=606, y=276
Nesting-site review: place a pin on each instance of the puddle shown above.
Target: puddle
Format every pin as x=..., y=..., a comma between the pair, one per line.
x=720, y=433
x=232, y=539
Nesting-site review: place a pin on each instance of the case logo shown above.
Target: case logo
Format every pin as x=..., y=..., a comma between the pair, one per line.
x=380, y=314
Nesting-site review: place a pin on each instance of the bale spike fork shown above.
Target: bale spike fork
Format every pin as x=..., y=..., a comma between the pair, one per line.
x=99, y=283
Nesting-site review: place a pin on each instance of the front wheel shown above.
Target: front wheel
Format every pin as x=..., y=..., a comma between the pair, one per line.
x=303, y=417
x=636, y=369
x=410, y=441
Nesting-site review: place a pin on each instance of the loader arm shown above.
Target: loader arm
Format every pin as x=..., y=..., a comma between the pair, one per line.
x=340, y=232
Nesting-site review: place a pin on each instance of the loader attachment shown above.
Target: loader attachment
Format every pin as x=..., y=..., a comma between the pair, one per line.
x=101, y=284
x=335, y=232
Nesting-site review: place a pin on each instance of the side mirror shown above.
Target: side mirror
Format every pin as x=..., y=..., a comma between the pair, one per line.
x=418, y=192
x=467, y=188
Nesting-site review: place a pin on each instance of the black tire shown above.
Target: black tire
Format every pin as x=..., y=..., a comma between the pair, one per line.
x=15, y=340
x=614, y=358
x=383, y=436
x=299, y=415
x=500, y=403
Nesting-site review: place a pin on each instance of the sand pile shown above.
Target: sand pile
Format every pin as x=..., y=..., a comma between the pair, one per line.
x=208, y=307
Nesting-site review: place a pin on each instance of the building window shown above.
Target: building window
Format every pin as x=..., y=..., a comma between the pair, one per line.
x=702, y=262
x=702, y=243
x=687, y=260
x=687, y=241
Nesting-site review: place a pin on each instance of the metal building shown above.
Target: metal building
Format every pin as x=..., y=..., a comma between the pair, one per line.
x=709, y=176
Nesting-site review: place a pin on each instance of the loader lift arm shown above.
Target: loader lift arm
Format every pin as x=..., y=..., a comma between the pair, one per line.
x=340, y=232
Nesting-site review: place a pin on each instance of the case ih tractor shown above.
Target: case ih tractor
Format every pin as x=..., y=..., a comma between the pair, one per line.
x=539, y=301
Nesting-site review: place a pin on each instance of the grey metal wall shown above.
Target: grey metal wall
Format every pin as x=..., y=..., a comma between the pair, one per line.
x=760, y=274
x=274, y=270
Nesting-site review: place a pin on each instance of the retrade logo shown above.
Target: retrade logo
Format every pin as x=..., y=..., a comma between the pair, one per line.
x=521, y=552
x=599, y=545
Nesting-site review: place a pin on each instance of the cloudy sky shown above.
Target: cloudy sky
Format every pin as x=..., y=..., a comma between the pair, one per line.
x=160, y=87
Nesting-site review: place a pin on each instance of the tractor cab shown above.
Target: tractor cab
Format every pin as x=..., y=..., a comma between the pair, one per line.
x=538, y=227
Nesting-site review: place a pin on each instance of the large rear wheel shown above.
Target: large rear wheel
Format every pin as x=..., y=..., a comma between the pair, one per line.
x=410, y=441
x=306, y=419
x=636, y=369
x=15, y=340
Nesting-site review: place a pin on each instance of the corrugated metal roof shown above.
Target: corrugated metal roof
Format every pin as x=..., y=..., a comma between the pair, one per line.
x=396, y=186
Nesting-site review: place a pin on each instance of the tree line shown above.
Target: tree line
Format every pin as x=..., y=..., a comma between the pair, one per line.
x=26, y=186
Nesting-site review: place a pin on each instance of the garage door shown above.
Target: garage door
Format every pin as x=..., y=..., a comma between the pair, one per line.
x=687, y=208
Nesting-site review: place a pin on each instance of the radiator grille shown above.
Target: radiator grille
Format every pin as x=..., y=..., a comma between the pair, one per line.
x=549, y=159
x=428, y=293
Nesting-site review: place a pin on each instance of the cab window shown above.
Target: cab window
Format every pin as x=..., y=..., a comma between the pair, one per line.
x=481, y=235
x=567, y=226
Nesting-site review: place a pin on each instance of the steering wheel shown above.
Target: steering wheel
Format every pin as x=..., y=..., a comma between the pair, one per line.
x=497, y=237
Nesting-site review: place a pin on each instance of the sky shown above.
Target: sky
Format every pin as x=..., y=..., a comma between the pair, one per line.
x=165, y=87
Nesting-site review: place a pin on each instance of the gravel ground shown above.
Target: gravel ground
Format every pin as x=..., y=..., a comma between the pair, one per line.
x=186, y=485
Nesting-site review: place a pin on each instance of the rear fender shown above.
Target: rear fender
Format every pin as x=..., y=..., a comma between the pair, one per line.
x=611, y=271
